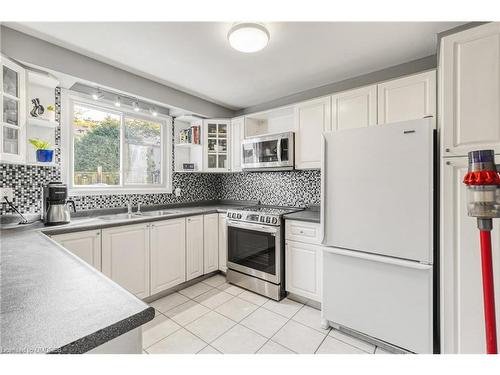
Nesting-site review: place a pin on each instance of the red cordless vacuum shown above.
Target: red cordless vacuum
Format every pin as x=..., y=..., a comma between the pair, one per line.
x=483, y=202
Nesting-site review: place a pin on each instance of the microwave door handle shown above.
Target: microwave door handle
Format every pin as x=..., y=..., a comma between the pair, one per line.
x=279, y=150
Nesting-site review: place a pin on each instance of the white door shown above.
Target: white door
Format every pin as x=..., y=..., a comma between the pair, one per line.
x=312, y=118
x=383, y=297
x=210, y=243
x=125, y=257
x=168, y=254
x=13, y=111
x=194, y=247
x=303, y=270
x=222, y=243
x=354, y=108
x=462, y=319
x=408, y=98
x=469, y=93
x=85, y=245
x=381, y=200
x=237, y=135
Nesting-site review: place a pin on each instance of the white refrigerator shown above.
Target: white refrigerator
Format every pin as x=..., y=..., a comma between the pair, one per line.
x=378, y=232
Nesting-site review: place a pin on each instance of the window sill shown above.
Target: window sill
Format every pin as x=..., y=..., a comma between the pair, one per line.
x=117, y=191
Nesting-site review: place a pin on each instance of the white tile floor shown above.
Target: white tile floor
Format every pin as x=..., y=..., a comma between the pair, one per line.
x=213, y=317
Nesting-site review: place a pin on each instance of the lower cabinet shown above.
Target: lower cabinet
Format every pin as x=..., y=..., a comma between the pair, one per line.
x=125, y=257
x=303, y=269
x=210, y=243
x=194, y=247
x=168, y=254
x=222, y=243
x=85, y=245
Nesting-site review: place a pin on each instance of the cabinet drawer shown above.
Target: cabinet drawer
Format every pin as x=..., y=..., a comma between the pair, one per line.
x=302, y=231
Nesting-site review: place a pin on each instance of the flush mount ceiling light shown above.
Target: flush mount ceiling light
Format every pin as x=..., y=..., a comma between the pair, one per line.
x=248, y=37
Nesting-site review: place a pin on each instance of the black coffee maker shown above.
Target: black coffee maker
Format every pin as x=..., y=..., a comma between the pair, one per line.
x=55, y=201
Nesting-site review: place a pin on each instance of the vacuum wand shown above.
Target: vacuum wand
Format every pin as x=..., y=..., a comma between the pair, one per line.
x=483, y=202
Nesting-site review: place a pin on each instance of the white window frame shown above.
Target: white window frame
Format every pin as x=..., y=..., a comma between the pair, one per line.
x=68, y=99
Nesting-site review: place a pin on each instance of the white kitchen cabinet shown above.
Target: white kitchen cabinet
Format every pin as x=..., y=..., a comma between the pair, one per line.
x=13, y=111
x=216, y=145
x=85, y=245
x=210, y=243
x=168, y=254
x=312, y=118
x=194, y=247
x=125, y=257
x=222, y=243
x=303, y=269
x=354, y=108
x=462, y=319
x=407, y=98
x=237, y=136
x=469, y=90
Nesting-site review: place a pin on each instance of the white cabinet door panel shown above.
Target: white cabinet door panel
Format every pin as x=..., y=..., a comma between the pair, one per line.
x=470, y=90
x=86, y=245
x=222, y=243
x=312, y=119
x=408, y=98
x=168, y=254
x=210, y=243
x=303, y=270
x=237, y=135
x=462, y=319
x=354, y=108
x=194, y=247
x=125, y=257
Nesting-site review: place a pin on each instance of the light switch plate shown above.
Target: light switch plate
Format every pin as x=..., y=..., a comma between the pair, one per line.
x=6, y=192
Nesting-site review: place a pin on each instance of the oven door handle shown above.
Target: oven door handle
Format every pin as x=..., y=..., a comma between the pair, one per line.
x=256, y=227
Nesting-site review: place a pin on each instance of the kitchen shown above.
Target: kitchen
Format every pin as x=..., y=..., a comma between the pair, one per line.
x=330, y=216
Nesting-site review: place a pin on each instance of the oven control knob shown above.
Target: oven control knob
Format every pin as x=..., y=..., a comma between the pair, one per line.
x=275, y=220
x=262, y=219
x=228, y=214
x=268, y=220
x=238, y=216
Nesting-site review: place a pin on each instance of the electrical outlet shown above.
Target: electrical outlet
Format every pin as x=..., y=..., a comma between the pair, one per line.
x=7, y=193
x=177, y=192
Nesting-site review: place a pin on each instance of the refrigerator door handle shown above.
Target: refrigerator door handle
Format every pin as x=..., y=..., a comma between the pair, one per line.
x=378, y=258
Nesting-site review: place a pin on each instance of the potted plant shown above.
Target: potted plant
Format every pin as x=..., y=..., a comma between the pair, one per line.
x=51, y=112
x=43, y=152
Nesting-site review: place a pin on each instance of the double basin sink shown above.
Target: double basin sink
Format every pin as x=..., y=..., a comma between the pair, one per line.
x=138, y=216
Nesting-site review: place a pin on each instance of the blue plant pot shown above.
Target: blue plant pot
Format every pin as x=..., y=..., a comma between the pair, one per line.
x=44, y=156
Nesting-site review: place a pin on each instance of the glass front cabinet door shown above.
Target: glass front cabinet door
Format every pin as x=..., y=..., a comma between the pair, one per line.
x=13, y=111
x=216, y=145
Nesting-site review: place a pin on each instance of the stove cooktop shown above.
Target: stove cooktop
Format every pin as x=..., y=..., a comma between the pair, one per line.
x=270, y=215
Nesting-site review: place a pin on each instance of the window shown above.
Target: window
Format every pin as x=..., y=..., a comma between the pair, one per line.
x=116, y=150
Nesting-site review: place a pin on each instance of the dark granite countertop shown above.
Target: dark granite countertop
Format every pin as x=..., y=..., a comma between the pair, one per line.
x=54, y=302
x=311, y=215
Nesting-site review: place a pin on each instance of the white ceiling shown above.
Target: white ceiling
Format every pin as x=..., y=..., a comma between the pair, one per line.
x=195, y=56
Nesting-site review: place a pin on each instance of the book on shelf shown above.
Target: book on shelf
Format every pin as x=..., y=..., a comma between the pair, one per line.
x=190, y=135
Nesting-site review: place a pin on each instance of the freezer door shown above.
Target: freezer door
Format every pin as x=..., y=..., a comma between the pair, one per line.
x=377, y=190
x=386, y=298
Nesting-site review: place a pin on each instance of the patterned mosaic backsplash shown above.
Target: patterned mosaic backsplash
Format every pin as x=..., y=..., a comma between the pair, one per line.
x=297, y=188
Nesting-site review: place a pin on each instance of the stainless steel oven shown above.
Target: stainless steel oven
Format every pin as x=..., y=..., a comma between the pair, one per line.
x=255, y=250
x=271, y=152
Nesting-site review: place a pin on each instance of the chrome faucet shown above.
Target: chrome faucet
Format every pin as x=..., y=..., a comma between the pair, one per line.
x=139, y=209
x=129, y=207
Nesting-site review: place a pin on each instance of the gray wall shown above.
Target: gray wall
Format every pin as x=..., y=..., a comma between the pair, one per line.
x=35, y=51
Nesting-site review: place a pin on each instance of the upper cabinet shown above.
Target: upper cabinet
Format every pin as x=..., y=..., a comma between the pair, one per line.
x=469, y=95
x=354, y=108
x=13, y=112
x=407, y=98
x=216, y=138
x=312, y=118
x=237, y=136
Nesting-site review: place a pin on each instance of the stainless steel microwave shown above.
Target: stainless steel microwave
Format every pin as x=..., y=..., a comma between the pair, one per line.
x=270, y=152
